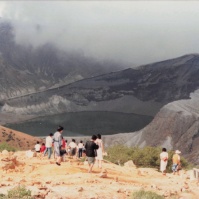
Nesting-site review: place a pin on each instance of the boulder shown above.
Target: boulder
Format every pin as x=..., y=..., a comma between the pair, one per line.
x=129, y=164
x=103, y=174
x=31, y=154
x=5, y=152
x=80, y=189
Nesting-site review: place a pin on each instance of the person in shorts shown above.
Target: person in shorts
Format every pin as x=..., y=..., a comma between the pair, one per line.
x=91, y=148
x=176, y=162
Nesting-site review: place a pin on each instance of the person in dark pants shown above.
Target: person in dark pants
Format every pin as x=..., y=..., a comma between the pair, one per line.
x=91, y=148
x=49, y=143
x=80, y=148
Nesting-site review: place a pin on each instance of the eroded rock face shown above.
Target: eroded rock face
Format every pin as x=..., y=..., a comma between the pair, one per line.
x=176, y=126
x=143, y=90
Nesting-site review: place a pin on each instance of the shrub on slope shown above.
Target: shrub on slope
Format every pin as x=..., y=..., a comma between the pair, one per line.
x=142, y=157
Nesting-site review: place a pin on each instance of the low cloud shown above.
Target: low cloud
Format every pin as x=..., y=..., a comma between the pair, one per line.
x=131, y=31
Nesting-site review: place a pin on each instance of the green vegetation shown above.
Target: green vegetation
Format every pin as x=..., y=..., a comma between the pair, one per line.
x=17, y=193
x=145, y=195
x=6, y=146
x=142, y=157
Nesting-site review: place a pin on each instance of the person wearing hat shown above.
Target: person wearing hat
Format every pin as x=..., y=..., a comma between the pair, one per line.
x=176, y=162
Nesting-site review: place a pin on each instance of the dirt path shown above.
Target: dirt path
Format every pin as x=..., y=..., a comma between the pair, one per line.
x=71, y=181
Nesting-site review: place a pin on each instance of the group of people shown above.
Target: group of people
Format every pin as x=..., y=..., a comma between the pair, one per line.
x=93, y=149
x=176, y=166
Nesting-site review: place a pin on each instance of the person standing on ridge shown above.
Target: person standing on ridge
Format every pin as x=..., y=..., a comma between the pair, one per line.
x=91, y=148
x=100, y=151
x=80, y=148
x=73, y=148
x=57, y=140
x=163, y=160
x=176, y=162
x=49, y=142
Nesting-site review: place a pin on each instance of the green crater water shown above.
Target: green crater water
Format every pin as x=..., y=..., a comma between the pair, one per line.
x=84, y=123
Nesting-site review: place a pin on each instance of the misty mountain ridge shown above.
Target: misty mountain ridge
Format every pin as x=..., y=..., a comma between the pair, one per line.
x=143, y=90
x=25, y=69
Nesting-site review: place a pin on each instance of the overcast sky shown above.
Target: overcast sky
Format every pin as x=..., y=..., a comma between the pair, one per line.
x=136, y=32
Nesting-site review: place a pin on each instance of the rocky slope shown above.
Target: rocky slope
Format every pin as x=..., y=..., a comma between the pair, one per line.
x=17, y=139
x=142, y=91
x=70, y=181
x=175, y=126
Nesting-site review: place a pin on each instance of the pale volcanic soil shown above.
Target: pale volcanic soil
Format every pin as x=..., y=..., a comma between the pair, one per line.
x=71, y=181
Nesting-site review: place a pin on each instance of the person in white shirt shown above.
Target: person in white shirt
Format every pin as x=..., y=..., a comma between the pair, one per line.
x=73, y=148
x=80, y=148
x=163, y=160
x=49, y=142
x=100, y=151
x=37, y=147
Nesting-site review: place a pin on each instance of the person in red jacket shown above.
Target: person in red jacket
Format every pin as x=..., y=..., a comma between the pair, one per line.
x=43, y=148
x=63, y=143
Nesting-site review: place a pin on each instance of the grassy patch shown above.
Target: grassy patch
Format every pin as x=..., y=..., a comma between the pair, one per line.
x=6, y=146
x=17, y=193
x=145, y=195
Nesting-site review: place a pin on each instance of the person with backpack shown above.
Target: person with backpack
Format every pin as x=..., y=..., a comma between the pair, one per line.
x=176, y=162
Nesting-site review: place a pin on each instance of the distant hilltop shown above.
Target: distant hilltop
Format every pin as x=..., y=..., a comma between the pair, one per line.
x=17, y=139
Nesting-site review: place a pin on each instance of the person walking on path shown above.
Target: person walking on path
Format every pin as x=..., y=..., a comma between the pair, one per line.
x=163, y=161
x=100, y=151
x=49, y=142
x=73, y=148
x=176, y=162
x=91, y=147
x=57, y=140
